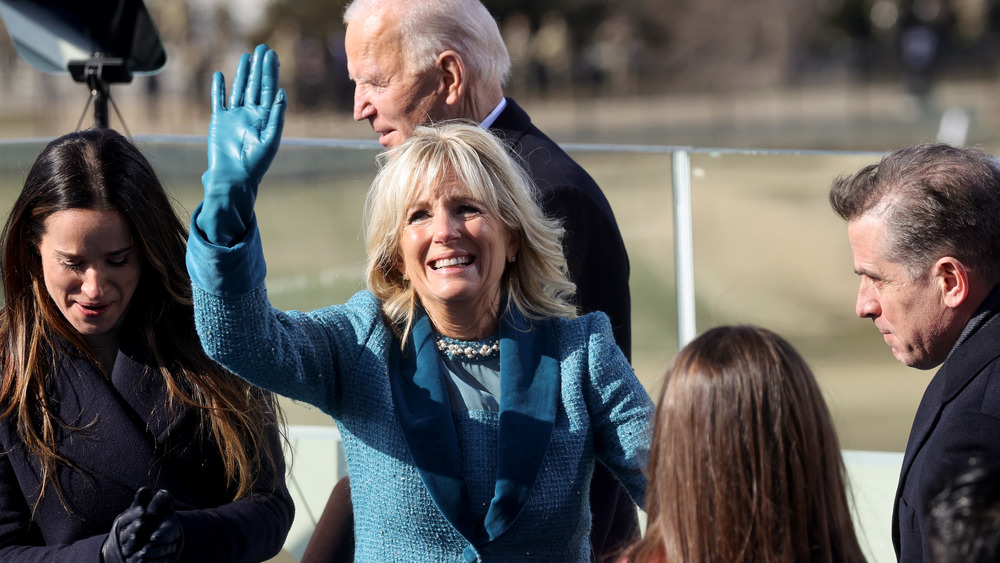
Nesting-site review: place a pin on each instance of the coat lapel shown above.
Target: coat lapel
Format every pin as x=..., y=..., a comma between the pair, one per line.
x=424, y=412
x=512, y=123
x=961, y=367
x=529, y=395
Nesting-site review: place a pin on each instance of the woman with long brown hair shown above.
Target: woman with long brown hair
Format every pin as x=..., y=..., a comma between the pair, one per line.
x=106, y=394
x=745, y=463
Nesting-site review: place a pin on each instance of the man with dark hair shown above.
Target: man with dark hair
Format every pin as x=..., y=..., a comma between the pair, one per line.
x=924, y=228
x=963, y=520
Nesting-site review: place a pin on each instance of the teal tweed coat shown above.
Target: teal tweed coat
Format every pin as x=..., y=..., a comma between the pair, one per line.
x=428, y=484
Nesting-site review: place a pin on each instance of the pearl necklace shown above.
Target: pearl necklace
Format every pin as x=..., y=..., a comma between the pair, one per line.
x=468, y=350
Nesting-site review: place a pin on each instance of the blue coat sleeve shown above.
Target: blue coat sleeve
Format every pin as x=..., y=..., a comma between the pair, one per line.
x=620, y=409
x=300, y=355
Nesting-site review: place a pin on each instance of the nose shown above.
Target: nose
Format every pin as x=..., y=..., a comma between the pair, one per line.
x=93, y=284
x=363, y=109
x=445, y=227
x=867, y=306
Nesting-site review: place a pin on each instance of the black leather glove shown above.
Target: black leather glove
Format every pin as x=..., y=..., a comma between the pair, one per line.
x=166, y=541
x=148, y=530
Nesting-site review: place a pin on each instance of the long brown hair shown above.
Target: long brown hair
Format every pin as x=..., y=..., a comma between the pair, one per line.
x=745, y=463
x=101, y=169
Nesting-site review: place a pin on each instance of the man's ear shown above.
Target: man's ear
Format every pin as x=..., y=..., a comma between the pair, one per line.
x=452, y=72
x=952, y=279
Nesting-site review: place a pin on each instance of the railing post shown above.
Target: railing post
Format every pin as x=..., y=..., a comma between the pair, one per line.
x=683, y=247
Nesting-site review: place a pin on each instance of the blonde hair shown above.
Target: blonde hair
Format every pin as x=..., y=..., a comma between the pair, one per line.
x=536, y=284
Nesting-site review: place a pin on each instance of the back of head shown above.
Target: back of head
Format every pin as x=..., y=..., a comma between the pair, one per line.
x=536, y=284
x=745, y=462
x=430, y=27
x=964, y=518
x=935, y=200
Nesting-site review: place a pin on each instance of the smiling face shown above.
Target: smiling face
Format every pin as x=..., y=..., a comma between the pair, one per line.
x=390, y=96
x=454, y=253
x=910, y=314
x=90, y=267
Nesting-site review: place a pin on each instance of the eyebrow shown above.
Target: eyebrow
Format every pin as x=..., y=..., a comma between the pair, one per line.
x=869, y=273
x=67, y=254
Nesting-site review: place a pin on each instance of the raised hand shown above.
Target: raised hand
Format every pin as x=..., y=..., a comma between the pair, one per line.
x=242, y=141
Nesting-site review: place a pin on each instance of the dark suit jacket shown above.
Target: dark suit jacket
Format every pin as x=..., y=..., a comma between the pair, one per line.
x=124, y=440
x=958, y=417
x=595, y=252
x=598, y=265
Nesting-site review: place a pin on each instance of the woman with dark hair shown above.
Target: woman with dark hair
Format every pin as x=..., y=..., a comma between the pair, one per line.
x=745, y=464
x=106, y=394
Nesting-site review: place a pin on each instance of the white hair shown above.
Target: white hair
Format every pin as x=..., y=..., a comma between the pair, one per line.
x=430, y=27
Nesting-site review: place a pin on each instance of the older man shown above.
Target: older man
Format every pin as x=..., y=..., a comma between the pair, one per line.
x=924, y=228
x=420, y=61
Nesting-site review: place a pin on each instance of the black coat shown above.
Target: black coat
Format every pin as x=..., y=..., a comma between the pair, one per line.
x=124, y=440
x=595, y=252
x=958, y=417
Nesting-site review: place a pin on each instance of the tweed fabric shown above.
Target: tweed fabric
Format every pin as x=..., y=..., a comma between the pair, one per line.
x=336, y=359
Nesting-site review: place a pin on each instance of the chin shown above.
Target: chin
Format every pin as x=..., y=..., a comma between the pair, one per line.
x=920, y=362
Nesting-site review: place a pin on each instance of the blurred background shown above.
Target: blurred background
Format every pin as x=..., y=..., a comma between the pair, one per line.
x=772, y=99
x=830, y=74
x=776, y=96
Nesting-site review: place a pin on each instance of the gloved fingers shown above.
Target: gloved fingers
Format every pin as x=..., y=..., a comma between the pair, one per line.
x=129, y=516
x=128, y=537
x=166, y=538
x=218, y=92
x=253, y=93
x=276, y=120
x=159, y=552
x=142, y=496
x=269, y=79
x=161, y=505
x=165, y=543
x=239, y=82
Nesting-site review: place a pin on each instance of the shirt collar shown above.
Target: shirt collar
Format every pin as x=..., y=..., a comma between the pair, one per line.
x=488, y=122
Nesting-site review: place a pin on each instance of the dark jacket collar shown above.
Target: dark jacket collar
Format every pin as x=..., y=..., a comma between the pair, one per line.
x=512, y=123
x=973, y=351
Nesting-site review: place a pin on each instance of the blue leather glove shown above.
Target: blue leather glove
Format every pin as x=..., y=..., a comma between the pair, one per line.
x=242, y=141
